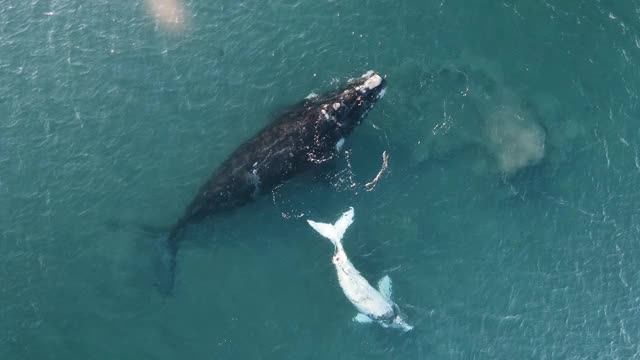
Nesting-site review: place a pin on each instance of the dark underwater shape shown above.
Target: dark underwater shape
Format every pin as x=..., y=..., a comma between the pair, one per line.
x=306, y=136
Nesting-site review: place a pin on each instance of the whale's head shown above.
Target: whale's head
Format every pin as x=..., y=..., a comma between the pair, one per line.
x=348, y=106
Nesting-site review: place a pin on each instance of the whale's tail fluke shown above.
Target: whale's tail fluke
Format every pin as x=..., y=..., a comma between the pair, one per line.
x=334, y=232
x=165, y=260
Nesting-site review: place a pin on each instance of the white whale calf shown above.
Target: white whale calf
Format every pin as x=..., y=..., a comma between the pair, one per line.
x=373, y=305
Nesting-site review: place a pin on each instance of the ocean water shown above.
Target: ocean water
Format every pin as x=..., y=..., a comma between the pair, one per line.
x=508, y=220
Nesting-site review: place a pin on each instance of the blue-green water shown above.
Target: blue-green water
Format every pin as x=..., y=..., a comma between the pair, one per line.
x=509, y=220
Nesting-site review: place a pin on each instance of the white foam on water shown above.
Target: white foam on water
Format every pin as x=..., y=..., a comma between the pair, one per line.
x=170, y=14
x=515, y=138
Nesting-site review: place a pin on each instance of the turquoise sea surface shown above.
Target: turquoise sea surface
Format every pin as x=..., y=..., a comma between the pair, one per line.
x=509, y=218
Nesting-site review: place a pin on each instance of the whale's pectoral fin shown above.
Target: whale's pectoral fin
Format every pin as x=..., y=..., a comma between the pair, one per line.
x=384, y=286
x=362, y=319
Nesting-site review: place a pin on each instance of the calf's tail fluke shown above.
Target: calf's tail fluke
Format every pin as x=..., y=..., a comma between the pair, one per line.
x=334, y=232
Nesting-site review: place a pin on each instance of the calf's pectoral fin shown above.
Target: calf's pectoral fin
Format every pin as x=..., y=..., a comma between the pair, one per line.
x=362, y=319
x=384, y=286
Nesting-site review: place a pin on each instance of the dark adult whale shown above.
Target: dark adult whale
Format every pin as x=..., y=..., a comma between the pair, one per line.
x=304, y=137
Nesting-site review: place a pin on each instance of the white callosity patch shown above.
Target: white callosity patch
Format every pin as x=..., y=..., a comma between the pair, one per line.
x=325, y=114
x=367, y=74
x=336, y=106
x=373, y=82
x=363, y=76
x=254, y=179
